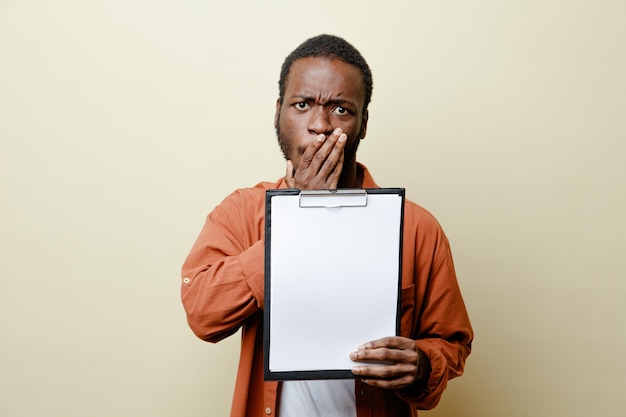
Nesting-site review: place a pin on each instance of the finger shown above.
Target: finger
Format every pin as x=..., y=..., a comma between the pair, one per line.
x=386, y=354
x=395, y=376
x=289, y=175
x=393, y=342
x=385, y=384
x=324, y=160
x=390, y=384
x=387, y=372
x=333, y=163
x=333, y=179
x=310, y=152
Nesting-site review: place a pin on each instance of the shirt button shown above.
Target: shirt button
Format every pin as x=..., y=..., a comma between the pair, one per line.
x=186, y=280
x=268, y=411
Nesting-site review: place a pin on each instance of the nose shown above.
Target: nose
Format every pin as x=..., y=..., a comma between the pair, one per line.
x=319, y=122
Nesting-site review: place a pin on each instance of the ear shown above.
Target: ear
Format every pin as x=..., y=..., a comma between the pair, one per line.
x=277, y=114
x=363, y=131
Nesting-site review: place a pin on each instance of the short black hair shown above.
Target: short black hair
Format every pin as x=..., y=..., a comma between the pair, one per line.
x=331, y=47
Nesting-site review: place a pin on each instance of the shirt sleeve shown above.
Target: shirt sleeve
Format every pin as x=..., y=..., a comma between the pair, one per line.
x=222, y=277
x=443, y=330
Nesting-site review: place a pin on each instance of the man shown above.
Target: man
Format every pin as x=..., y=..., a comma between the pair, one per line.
x=321, y=116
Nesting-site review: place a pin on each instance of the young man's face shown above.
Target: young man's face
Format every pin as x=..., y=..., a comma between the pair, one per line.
x=320, y=96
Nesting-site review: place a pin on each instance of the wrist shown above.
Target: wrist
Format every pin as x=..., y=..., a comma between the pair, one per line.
x=422, y=374
x=423, y=368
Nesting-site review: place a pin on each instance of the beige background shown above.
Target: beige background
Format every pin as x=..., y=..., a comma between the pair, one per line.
x=123, y=123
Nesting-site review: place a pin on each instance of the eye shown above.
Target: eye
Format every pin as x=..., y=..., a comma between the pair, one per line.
x=341, y=110
x=302, y=105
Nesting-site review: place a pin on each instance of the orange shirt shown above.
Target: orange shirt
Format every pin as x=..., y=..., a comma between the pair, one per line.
x=222, y=291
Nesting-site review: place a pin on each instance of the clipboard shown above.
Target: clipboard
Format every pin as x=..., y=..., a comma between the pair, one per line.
x=332, y=278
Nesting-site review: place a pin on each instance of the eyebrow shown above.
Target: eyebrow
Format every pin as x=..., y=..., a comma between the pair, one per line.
x=336, y=101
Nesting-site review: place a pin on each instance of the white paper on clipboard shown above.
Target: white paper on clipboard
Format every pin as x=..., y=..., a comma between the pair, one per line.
x=332, y=278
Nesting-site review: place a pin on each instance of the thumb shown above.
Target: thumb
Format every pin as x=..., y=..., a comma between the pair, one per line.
x=289, y=175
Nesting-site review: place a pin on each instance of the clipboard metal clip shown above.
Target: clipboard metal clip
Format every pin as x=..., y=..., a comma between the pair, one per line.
x=333, y=198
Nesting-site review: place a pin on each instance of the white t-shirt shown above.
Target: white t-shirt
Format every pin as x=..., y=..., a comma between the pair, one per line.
x=317, y=398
